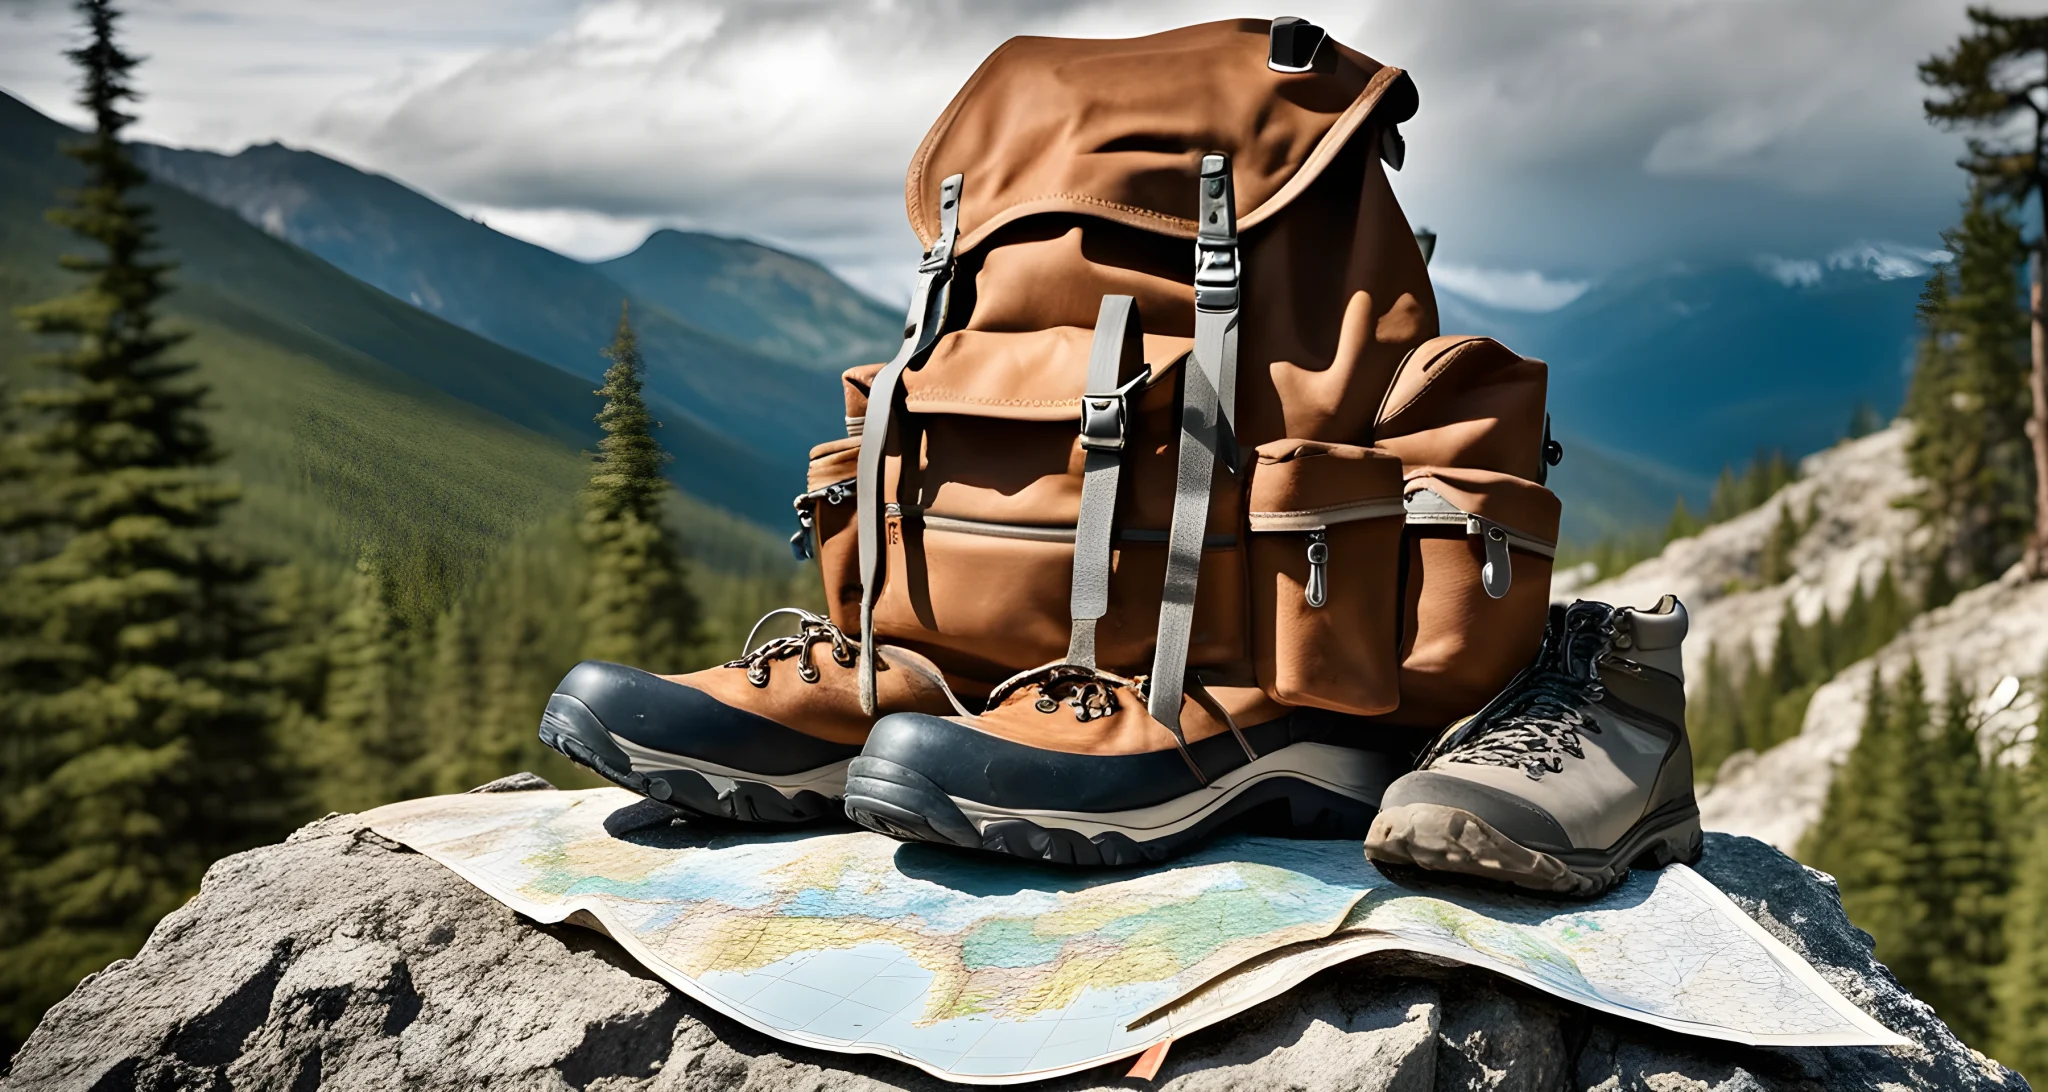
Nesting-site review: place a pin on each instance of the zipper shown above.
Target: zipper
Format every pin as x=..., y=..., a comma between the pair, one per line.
x=806, y=505
x=1427, y=508
x=1318, y=590
x=1032, y=532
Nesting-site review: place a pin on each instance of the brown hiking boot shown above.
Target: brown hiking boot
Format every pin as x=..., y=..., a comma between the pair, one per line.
x=765, y=738
x=1068, y=766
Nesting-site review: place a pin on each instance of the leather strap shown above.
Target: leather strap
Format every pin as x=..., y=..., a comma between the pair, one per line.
x=1208, y=385
x=920, y=332
x=1116, y=368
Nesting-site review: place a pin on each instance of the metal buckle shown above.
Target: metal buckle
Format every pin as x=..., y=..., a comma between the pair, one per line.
x=1292, y=43
x=1102, y=422
x=1105, y=418
x=1215, y=276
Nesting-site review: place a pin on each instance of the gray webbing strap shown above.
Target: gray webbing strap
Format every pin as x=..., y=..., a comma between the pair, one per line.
x=1116, y=368
x=1211, y=371
x=920, y=331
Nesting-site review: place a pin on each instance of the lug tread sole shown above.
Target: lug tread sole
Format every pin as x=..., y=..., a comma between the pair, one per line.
x=1440, y=838
x=568, y=726
x=892, y=799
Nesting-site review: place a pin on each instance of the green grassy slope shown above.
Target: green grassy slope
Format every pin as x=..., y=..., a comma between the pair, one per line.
x=351, y=417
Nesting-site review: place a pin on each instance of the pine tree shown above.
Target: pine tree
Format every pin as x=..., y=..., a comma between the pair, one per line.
x=1683, y=523
x=367, y=745
x=1863, y=421
x=1853, y=631
x=1988, y=82
x=1889, y=612
x=1823, y=650
x=2022, y=983
x=1775, y=565
x=1968, y=402
x=131, y=635
x=639, y=608
x=451, y=709
x=1868, y=835
x=1967, y=874
x=528, y=634
x=1711, y=717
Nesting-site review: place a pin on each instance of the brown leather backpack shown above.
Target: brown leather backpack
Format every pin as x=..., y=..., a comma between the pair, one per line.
x=1102, y=445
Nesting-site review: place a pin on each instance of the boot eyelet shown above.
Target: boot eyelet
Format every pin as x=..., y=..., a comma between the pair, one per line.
x=758, y=675
x=807, y=672
x=1047, y=705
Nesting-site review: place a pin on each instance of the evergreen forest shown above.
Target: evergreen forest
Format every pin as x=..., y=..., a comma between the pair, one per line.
x=198, y=658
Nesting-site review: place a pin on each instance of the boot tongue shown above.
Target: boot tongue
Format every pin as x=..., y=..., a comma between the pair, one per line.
x=1588, y=635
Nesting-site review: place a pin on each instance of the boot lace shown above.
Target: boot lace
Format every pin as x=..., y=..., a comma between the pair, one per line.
x=1537, y=722
x=811, y=629
x=1092, y=694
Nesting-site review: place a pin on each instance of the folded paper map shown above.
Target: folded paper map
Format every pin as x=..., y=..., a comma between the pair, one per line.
x=981, y=969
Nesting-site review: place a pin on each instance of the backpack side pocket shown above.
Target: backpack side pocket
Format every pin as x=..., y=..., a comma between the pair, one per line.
x=1476, y=589
x=825, y=530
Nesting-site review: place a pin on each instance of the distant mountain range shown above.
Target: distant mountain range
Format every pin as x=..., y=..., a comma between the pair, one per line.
x=348, y=413
x=740, y=340
x=1660, y=375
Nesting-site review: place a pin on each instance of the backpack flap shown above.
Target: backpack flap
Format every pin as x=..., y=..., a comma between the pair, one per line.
x=1467, y=402
x=1082, y=161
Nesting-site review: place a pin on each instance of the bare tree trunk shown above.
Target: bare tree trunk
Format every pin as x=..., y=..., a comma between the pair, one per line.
x=2037, y=420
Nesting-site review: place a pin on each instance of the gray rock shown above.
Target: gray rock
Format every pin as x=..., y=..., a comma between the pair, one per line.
x=340, y=960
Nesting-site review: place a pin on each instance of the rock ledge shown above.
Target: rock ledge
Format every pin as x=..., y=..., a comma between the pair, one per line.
x=340, y=960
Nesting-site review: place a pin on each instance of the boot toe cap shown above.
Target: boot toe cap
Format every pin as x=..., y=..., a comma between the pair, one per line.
x=657, y=714
x=1520, y=819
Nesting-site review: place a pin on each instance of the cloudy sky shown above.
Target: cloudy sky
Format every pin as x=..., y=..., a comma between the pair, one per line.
x=1557, y=141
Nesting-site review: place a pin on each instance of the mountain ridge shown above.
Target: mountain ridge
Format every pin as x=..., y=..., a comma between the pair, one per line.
x=344, y=411
x=520, y=295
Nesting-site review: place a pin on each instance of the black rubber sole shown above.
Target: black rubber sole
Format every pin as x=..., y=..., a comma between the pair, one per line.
x=570, y=727
x=892, y=799
x=1440, y=838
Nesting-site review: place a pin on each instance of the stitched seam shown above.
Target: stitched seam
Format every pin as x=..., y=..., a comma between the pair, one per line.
x=1282, y=513
x=1447, y=356
x=928, y=397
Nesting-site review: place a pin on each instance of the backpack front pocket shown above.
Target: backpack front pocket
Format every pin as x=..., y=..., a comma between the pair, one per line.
x=1326, y=523
x=978, y=596
x=1476, y=588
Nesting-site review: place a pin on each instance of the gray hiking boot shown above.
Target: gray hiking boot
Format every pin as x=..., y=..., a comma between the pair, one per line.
x=1575, y=773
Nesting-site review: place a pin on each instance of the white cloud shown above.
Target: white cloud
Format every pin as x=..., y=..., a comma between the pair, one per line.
x=579, y=233
x=1513, y=289
x=1790, y=272
x=1576, y=134
x=1888, y=260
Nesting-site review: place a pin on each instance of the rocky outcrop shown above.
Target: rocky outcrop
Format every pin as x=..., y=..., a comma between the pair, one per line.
x=340, y=960
x=1849, y=492
x=1984, y=635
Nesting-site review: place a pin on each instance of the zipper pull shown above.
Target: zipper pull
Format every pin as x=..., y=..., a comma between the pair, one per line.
x=1318, y=591
x=1497, y=575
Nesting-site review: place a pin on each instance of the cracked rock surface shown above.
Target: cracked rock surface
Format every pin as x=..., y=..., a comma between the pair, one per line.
x=340, y=960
